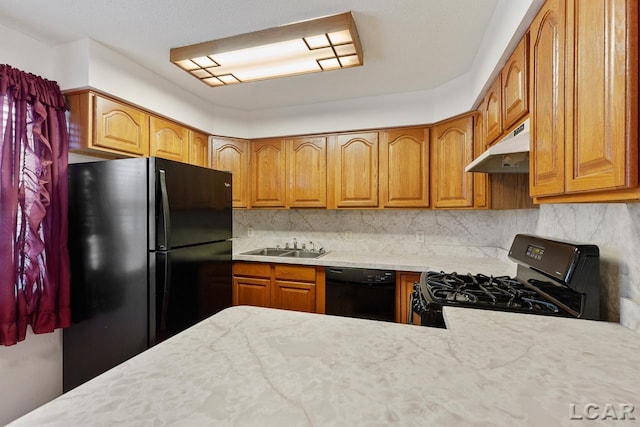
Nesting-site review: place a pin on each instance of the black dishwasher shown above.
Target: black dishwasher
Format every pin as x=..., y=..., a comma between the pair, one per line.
x=363, y=293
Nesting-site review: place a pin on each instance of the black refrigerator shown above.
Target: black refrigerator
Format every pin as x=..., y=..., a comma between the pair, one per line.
x=150, y=253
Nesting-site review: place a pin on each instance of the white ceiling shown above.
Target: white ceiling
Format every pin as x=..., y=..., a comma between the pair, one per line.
x=409, y=45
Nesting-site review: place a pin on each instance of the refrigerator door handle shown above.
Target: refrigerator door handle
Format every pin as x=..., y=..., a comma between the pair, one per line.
x=166, y=289
x=166, y=216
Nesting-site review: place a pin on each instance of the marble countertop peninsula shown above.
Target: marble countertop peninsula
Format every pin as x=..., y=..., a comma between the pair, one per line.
x=399, y=262
x=249, y=366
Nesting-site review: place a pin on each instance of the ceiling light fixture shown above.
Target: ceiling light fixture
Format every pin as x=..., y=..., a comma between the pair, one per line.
x=321, y=44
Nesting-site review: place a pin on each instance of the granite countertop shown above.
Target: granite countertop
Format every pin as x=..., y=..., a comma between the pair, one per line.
x=399, y=262
x=249, y=366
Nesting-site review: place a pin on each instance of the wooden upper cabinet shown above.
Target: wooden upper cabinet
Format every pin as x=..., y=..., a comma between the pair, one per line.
x=547, y=92
x=404, y=168
x=451, y=151
x=307, y=172
x=353, y=160
x=168, y=140
x=601, y=147
x=229, y=154
x=119, y=127
x=198, y=149
x=515, y=97
x=493, y=112
x=268, y=173
x=480, y=180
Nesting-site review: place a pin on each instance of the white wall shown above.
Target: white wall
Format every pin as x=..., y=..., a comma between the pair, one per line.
x=14, y=50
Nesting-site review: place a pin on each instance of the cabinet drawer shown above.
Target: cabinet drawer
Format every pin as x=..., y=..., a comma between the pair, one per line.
x=295, y=272
x=251, y=269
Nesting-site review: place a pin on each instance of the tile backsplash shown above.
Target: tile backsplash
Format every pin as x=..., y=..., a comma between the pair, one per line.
x=615, y=228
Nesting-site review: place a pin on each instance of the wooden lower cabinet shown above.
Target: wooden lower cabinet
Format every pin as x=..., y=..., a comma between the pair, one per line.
x=302, y=288
x=251, y=291
x=298, y=296
x=285, y=286
x=252, y=284
x=404, y=287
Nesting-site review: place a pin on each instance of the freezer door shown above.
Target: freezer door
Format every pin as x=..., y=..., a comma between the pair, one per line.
x=188, y=205
x=191, y=284
x=108, y=256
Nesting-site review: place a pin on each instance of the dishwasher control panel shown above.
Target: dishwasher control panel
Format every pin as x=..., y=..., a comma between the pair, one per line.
x=360, y=275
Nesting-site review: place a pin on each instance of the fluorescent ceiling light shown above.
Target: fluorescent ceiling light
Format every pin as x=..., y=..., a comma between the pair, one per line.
x=322, y=44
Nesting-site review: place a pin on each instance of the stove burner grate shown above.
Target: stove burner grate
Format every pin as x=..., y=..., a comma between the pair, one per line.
x=498, y=292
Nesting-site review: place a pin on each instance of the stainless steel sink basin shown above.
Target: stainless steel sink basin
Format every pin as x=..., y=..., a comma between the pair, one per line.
x=286, y=253
x=303, y=254
x=268, y=252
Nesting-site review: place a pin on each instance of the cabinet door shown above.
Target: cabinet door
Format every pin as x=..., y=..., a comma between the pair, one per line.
x=307, y=170
x=404, y=168
x=515, y=98
x=233, y=155
x=297, y=287
x=354, y=159
x=168, y=140
x=547, y=90
x=120, y=127
x=404, y=288
x=198, y=149
x=480, y=180
x=268, y=173
x=251, y=291
x=493, y=112
x=452, y=150
x=296, y=296
x=600, y=150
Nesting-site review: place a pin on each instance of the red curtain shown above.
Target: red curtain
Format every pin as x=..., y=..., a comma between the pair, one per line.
x=34, y=263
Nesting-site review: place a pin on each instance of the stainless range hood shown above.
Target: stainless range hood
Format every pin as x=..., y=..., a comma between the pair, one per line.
x=510, y=155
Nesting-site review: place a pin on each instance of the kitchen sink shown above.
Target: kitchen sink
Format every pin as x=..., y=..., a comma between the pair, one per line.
x=303, y=254
x=286, y=253
x=268, y=252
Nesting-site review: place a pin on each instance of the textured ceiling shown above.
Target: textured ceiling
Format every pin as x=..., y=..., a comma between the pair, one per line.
x=408, y=45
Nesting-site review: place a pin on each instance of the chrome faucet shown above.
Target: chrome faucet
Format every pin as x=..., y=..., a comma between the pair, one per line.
x=295, y=243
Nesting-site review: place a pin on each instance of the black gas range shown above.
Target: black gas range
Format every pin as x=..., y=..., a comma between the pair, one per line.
x=554, y=278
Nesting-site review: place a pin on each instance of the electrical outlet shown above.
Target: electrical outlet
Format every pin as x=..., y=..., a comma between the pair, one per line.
x=420, y=236
x=348, y=236
x=249, y=231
